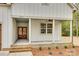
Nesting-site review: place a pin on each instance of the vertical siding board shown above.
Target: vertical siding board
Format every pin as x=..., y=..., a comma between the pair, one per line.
x=0, y=14
x=53, y=10
x=6, y=27
x=10, y=26
x=5, y=30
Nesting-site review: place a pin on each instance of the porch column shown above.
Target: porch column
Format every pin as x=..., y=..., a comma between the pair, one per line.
x=53, y=29
x=71, y=34
x=29, y=30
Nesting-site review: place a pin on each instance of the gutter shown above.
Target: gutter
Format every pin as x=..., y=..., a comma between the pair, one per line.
x=5, y=4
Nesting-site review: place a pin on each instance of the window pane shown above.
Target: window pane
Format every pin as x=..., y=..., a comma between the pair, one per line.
x=43, y=25
x=43, y=30
x=49, y=25
x=49, y=30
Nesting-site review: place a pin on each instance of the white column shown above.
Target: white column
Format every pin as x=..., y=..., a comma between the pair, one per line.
x=29, y=30
x=53, y=29
x=71, y=31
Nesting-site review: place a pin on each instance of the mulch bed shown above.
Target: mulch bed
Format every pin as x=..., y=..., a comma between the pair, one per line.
x=55, y=52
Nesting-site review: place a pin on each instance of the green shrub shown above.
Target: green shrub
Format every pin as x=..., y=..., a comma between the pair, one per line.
x=40, y=48
x=50, y=53
x=57, y=47
x=49, y=48
x=65, y=47
x=73, y=46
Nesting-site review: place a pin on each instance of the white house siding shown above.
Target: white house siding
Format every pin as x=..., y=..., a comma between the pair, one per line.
x=14, y=31
x=24, y=24
x=54, y=11
x=0, y=14
x=36, y=32
x=60, y=11
x=6, y=26
x=58, y=38
x=57, y=31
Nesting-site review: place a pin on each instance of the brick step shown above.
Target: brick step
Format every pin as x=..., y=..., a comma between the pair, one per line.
x=21, y=46
x=21, y=50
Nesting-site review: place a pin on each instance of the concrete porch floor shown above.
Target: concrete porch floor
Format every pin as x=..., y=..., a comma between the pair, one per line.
x=22, y=42
x=65, y=39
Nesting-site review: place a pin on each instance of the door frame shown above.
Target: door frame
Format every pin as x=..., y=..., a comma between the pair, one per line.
x=22, y=29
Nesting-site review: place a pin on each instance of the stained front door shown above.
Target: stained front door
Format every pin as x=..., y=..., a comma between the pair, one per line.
x=22, y=32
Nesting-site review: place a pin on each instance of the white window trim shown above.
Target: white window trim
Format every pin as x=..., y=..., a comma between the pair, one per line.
x=46, y=27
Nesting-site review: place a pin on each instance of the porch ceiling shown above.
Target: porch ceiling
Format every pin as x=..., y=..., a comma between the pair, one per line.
x=22, y=20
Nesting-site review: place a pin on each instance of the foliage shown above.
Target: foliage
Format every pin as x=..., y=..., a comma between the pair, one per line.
x=65, y=47
x=65, y=28
x=57, y=47
x=75, y=18
x=49, y=48
x=73, y=46
x=66, y=25
x=40, y=48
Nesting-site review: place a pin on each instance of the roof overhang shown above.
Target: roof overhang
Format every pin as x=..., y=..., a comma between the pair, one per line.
x=5, y=4
x=73, y=6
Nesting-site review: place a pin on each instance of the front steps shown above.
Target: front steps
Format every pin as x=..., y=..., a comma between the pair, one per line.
x=25, y=48
x=20, y=48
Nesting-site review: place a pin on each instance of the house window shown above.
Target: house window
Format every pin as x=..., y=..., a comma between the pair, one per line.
x=43, y=28
x=49, y=28
x=46, y=28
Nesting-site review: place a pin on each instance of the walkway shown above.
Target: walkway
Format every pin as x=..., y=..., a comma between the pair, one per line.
x=6, y=53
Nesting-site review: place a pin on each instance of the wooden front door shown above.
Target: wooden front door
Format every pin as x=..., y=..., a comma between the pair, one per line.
x=0, y=37
x=22, y=32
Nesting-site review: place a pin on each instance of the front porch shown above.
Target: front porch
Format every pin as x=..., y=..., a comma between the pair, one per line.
x=21, y=31
x=35, y=34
